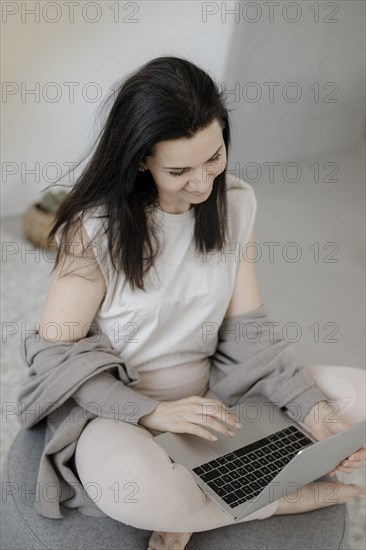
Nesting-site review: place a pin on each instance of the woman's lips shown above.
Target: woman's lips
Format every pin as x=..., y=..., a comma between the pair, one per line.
x=198, y=194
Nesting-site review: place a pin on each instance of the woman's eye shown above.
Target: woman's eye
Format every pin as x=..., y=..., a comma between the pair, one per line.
x=182, y=172
x=176, y=173
x=215, y=158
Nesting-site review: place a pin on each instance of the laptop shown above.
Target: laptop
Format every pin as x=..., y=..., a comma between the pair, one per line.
x=270, y=456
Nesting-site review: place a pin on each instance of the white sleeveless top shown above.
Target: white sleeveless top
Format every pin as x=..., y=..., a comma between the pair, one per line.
x=175, y=323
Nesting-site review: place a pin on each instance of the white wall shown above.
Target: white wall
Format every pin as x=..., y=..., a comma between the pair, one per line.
x=41, y=131
x=304, y=52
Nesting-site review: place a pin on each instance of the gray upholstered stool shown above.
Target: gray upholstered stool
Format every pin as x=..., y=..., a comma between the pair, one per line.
x=24, y=529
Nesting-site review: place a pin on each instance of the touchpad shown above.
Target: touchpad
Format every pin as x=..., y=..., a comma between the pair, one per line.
x=243, y=436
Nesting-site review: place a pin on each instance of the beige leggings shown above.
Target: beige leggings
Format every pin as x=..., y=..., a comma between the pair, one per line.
x=132, y=479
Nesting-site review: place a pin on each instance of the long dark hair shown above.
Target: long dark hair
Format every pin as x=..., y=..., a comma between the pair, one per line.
x=167, y=98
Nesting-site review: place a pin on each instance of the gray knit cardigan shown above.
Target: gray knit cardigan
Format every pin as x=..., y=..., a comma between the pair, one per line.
x=68, y=384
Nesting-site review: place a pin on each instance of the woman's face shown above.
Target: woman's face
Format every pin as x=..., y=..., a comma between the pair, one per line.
x=182, y=167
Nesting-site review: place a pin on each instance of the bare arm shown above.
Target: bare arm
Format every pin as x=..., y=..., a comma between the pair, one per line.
x=75, y=293
x=246, y=295
x=72, y=298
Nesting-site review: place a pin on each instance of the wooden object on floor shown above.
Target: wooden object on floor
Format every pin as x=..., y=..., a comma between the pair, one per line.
x=37, y=224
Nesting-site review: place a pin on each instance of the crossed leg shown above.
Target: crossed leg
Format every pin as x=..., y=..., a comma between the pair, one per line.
x=140, y=486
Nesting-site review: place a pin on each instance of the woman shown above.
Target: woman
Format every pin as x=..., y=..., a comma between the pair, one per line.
x=159, y=173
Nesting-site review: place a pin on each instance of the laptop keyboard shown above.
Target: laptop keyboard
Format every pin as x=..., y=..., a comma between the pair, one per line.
x=242, y=474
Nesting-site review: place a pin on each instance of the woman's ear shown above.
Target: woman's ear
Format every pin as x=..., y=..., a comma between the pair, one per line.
x=142, y=166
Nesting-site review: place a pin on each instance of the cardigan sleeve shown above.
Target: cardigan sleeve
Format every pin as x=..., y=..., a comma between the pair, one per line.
x=108, y=397
x=253, y=358
x=88, y=371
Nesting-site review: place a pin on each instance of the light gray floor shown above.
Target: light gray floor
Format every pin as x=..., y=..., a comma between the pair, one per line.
x=307, y=293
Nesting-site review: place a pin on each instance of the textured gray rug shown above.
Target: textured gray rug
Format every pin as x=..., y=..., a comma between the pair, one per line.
x=25, y=276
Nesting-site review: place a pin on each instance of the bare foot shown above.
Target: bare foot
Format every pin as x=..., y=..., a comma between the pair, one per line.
x=318, y=494
x=160, y=540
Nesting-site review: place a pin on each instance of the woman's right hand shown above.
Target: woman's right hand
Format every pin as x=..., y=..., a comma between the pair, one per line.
x=190, y=415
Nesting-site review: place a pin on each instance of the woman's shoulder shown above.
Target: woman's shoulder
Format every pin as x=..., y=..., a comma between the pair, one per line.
x=242, y=207
x=240, y=193
x=95, y=212
x=94, y=220
x=236, y=185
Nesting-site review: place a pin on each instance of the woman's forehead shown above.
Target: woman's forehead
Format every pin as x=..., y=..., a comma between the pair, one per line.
x=200, y=147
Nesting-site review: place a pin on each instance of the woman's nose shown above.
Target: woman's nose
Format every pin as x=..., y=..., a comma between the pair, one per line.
x=200, y=184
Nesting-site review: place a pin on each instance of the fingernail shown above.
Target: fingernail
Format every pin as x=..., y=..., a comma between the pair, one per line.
x=231, y=433
x=238, y=425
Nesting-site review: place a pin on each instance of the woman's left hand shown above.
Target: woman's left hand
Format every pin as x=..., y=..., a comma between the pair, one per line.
x=322, y=422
